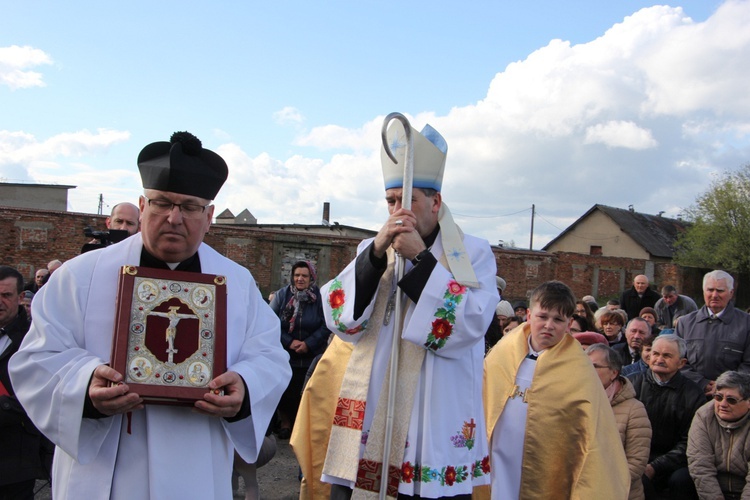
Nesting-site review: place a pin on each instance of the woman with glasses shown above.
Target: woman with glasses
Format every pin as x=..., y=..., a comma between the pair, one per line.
x=611, y=327
x=630, y=414
x=719, y=440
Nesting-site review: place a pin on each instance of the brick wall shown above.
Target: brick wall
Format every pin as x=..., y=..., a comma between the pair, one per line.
x=31, y=238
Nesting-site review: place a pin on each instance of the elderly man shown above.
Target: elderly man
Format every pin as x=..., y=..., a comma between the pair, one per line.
x=637, y=297
x=109, y=445
x=671, y=400
x=22, y=447
x=449, y=295
x=717, y=335
x=53, y=265
x=125, y=217
x=630, y=350
x=672, y=305
x=39, y=280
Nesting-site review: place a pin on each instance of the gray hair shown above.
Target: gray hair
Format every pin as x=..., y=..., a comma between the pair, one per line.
x=610, y=355
x=735, y=380
x=719, y=275
x=676, y=340
x=638, y=318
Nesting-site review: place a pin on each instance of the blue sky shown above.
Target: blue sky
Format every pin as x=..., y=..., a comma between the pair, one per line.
x=557, y=104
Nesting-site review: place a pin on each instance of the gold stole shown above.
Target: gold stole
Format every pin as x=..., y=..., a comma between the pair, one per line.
x=572, y=447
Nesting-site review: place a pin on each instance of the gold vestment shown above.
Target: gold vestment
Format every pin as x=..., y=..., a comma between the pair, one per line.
x=572, y=448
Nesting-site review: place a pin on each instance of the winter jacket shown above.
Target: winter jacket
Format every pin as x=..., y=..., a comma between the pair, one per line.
x=635, y=432
x=684, y=305
x=715, y=345
x=632, y=304
x=309, y=327
x=718, y=452
x=24, y=452
x=670, y=409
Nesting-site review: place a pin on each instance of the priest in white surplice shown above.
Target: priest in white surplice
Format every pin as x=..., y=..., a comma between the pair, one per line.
x=109, y=445
x=450, y=296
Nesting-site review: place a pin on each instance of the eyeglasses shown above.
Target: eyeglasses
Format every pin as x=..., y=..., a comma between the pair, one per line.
x=731, y=400
x=600, y=366
x=575, y=330
x=188, y=210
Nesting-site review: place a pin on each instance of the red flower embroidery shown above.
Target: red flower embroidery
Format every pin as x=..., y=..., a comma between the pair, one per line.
x=336, y=299
x=456, y=288
x=407, y=472
x=441, y=328
x=450, y=475
x=486, y=465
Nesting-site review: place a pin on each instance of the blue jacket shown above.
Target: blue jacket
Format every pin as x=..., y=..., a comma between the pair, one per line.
x=310, y=327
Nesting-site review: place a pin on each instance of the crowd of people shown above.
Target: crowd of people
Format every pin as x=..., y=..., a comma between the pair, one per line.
x=407, y=372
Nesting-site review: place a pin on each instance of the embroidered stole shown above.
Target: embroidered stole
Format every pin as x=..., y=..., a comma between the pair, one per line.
x=342, y=458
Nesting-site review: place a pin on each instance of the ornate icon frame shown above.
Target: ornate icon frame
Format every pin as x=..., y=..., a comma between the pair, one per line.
x=146, y=299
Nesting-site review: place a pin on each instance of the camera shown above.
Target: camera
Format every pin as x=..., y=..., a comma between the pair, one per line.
x=105, y=238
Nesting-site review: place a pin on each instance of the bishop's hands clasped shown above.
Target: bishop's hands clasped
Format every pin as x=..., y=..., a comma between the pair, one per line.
x=400, y=231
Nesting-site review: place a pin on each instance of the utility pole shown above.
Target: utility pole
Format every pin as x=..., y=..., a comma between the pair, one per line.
x=101, y=204
x=531, y=237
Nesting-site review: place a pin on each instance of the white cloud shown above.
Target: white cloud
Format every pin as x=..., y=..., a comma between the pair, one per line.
x=620, y=134
x=287, y=115
x=14, y=64
x=642, y=115
x=20, y=148
x=54, y=160
x=533, y=138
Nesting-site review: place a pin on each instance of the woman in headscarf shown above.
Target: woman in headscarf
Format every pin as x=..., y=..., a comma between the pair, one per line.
x=303, y=334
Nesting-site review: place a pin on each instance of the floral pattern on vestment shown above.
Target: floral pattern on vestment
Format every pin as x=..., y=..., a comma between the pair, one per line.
x=337, y=300
x=448, y=475
x=465, y=438
x=445, y=316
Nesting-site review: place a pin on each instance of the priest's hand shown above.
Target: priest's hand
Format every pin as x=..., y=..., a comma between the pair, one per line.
x=112, y=399
x=228, y=404
x=399, y=222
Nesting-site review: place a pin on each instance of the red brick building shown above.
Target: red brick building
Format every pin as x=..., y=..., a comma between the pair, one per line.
x=31, y=238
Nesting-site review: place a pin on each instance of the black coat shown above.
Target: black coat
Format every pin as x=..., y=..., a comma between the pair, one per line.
x=632, y=304
x=670, y=409
x=624, y=351
x=24, y=452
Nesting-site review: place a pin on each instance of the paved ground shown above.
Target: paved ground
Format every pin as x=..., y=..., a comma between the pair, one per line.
x=278, y=479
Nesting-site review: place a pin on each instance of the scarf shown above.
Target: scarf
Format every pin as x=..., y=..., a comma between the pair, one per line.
x=613, y=389
x=293, y=309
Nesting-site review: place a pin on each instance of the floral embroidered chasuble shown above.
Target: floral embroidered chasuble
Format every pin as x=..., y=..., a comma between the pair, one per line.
x=445, y=452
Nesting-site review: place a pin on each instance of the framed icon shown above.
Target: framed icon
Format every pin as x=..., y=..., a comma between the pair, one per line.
x=170, y=333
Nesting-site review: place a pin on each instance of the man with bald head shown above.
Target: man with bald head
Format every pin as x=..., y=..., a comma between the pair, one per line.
x=640, y=295
x=125, y=217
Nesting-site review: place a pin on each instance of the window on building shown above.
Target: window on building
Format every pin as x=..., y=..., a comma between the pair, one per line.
x=595, y=250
